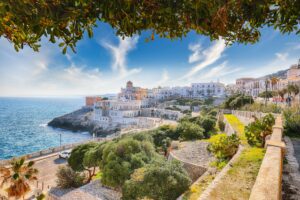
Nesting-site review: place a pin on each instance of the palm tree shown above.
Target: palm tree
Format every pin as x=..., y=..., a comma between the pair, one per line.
x=266, y=91
x=282, y=93
x=274, y=80
x=17, y=177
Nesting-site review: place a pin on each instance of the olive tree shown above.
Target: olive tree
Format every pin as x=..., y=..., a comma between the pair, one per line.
x=86, y=157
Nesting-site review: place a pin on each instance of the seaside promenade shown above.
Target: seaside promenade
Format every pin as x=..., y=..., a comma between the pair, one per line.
x=47, y=164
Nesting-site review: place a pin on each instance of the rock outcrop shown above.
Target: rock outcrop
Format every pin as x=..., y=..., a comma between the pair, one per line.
x=79, y=120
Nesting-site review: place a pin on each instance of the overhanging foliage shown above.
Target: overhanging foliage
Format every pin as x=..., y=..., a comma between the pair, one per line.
x=25, y=22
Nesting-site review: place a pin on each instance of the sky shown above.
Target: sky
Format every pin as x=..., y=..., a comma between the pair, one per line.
x=104, y=63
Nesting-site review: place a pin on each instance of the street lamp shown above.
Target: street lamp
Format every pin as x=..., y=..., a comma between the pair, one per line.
x=60, y=139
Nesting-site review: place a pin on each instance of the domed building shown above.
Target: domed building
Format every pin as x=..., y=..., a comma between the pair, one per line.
x=132, y=93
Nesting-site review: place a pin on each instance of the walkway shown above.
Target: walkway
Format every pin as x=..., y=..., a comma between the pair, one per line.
x=296, y=144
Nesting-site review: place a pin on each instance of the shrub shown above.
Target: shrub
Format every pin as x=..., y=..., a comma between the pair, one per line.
x=190, y=131
x=223, y=147
x=163, y=134
x=267, y=94
x=258, y=107
x=208, y=123
x=221, y=125
x=68, y=178
x=292, y=122
x=257, y=131
x=161, y=180
x=237, y=101
x=121, y=158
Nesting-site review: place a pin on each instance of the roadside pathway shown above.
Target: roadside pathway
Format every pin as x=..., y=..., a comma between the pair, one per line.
x=291, y=173
x=296, y=144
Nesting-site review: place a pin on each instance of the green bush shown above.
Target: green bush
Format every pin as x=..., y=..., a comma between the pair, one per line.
x=292, y=122
x=121, y=158
x=258, y=107
x=161, y=180
x=223, y=147
x=237, y=101
x=190, y=131
x=208, y=123
x=221, y=125
x=267, y=94
x=68, y=178
x=257, y=131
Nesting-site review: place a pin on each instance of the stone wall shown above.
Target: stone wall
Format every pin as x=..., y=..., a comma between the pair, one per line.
x=228, y=128
x=45, y=152
x=194, y=171
x=269, y=180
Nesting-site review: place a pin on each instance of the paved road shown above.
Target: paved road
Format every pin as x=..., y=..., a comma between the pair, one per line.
x=296, y=144
x=47, y=171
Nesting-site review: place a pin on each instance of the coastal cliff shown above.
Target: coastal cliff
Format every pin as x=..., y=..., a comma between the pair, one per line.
x=79, y=120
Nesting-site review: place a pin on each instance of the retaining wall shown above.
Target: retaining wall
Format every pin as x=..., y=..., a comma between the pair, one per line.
x=269, y=180
x=228, y=128
x=194, y=171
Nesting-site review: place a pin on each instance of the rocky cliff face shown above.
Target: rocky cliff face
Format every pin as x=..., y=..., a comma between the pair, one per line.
x=79, y=120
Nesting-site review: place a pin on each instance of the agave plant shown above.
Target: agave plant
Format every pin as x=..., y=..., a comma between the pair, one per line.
x=17, y=177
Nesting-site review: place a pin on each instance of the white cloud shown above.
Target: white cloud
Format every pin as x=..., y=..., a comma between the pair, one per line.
x=119, y=53
x=282, y=56
x=275, y=65
x=210, y=56
x=218, y=72
x=164, y=78
x=196, y=55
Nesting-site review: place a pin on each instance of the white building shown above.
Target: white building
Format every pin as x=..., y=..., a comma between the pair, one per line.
x=196, y=90
x=212, y=89
x=117, y=112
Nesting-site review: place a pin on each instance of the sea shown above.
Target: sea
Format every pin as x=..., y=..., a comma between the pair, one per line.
x=23, y=124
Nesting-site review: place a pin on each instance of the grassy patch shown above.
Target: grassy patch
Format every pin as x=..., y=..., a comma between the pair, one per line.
x=197, y=188
x=238, y=126
x=239, y=180
x=98, y=176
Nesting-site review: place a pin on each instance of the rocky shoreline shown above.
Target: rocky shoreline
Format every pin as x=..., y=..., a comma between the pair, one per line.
x=80, y=120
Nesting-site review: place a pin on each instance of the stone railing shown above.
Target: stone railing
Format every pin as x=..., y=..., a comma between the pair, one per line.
x=49, y=151
x=269, y=180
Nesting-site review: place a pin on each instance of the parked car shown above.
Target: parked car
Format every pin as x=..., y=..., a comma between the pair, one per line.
x=65, y=154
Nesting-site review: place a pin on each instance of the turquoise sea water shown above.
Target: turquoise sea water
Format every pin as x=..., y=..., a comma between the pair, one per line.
x=23, y=124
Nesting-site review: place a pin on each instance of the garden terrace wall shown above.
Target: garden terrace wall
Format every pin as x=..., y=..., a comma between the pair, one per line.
x=194, y=171
x=269, y=180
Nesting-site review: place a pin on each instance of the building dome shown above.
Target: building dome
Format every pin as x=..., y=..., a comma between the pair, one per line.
x=129, y=84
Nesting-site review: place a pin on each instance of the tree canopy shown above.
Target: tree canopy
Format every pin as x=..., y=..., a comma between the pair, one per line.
x=164, y=180
x=121, y=158
x=25, y=22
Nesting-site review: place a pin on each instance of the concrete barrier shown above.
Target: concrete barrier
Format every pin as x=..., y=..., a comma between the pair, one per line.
x=269, y=180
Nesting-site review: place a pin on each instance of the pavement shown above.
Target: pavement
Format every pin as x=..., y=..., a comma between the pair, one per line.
x=47, y=166
x=47, y=171
x=296, y=144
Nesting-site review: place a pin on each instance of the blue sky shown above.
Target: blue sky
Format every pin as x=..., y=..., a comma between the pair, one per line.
x=104, y=63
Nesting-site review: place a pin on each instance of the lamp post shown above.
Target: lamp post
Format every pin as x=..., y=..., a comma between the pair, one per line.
x=60, y=139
